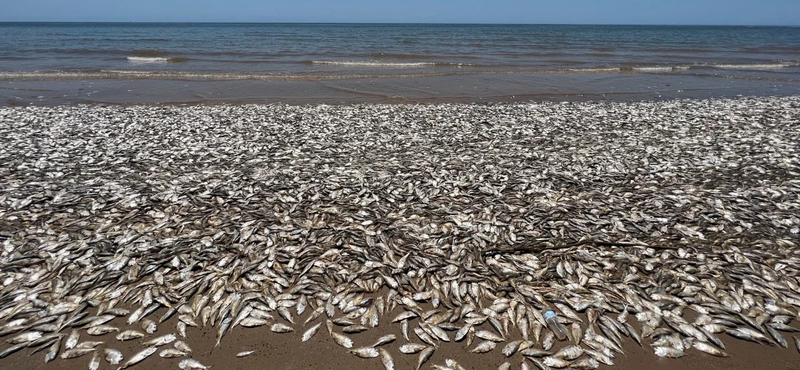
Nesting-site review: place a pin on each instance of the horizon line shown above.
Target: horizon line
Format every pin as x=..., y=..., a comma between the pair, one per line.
x=423, y=23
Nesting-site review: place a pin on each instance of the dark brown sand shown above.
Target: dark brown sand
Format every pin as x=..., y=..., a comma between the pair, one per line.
x=286, y=351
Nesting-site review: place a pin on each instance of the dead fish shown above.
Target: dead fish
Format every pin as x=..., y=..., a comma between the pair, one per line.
x=534, y=352
x=281, y=328
x=668, y=352
x=507, y=366
x=182, y=346
x=139, y=357
x=160, y=341
x=538, y=364
x=511, y=348
x=354, y=329
x=366, y=352
x=52, y=351
x=424, y=356
x=188, y=320
x=777, y=337
x=485, y=346
x=101, y=330
x=386, y=339
x=25, y=337
x=548, y=341
x=577, y=333
x=342, y=340
x=72, y=339
x=386, y=359
x=191, y=364
x=603, y=358
x=252, y=322
x=310, y=332
x=462, y=333
x=569, y=353
x=76, y=352
x=149, y=326
x=412, y=348
x=181, y=328
x=112, y=356
x=129, y=334
x=585, y=364
x=405, y=315
x=749, y=334
x=171, y=353
x=245, y=353
x=487, y=335
x=555, y=362
x=94, y=363
x=88, y=345
x=705, y=347
x=314, y=315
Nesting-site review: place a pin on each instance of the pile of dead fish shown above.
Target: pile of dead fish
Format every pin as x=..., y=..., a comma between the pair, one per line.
x=461, y=224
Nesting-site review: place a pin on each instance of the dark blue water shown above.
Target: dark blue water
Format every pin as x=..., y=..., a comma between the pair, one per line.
x=298, y=51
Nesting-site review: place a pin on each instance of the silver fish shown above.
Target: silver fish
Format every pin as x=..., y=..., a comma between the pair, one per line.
x=668, y=352
x=112, y=356
x=485, y=346
x=160, y=341
x=139, y=357
x=72, y=339
x=386, y=359
x=281, y=328
x=191, y=364
x=412, y=348
x=171, y=353
x=129, y=334
x=76, y=352
x=310, y=332
x=424, y=356
x=386, y=339
x=366, y=352
x=704, y=347
x=342, y=340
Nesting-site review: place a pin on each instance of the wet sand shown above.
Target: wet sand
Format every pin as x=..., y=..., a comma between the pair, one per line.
x=431, y=89
x=287, y=352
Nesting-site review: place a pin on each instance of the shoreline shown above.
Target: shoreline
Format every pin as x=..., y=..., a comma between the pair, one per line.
x=672, y=221
x=496, y=88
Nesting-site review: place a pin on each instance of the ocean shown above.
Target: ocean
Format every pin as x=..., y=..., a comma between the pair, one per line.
x=384, y=53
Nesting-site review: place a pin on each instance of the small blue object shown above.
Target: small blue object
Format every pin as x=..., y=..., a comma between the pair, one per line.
x=549, y=314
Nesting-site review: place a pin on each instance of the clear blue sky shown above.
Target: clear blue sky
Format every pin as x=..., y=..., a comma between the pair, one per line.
x=747, y=12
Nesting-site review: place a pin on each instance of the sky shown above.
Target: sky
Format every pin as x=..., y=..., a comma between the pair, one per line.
x=705, y=12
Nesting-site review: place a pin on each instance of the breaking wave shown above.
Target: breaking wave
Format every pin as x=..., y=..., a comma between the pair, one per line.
x=754, y=66
x=156, y=60
x=357, y=63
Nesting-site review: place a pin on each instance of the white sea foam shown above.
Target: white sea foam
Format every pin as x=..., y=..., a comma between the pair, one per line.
x=654, y=69
x=141, y=60
x=661, y=68
x=753, y=66
x=384, y=64
x=148, y=60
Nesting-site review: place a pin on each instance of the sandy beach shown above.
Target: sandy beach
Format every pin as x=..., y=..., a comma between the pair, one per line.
x=450, y=226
